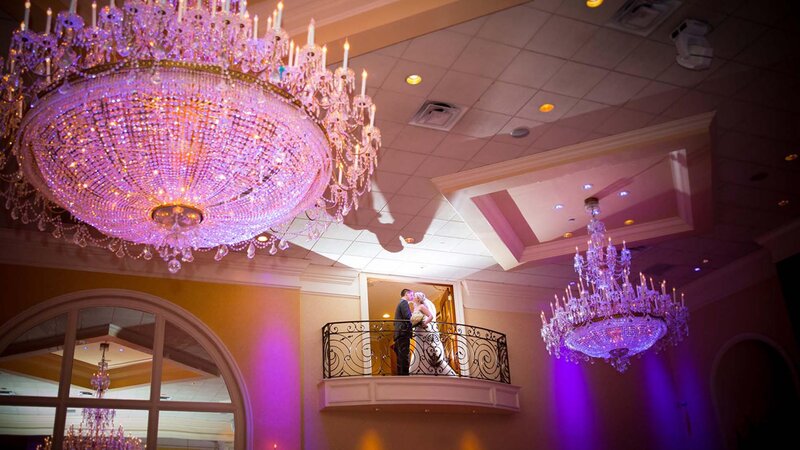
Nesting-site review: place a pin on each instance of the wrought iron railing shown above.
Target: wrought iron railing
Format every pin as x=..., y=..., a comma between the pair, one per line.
x=366, y=347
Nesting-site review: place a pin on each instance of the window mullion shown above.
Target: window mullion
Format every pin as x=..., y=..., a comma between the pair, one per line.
x=65, y=380
x=155, y=384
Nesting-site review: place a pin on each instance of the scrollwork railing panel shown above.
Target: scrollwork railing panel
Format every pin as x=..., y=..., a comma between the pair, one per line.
x=367, y=348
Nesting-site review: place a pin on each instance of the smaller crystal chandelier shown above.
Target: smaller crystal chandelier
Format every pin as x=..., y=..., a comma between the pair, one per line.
x=611, y=318
x=97, y=430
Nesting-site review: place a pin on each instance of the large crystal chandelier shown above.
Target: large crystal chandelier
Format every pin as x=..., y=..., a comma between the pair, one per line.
x=172, y=126
x=606, y=316
x=97, y=429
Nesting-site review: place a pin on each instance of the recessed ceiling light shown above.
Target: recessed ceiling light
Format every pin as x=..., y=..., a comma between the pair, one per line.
x=546, y=107
x=706, y=260
x=567, y=235
x=520, y=132
x=791, y=157
x=587, y=186
x=386, y=316
x=783, y=202
x=262, y=238
x=413, y=79
x=624, y=193
x=121, y=349
x=571, y=219
x=697, y=269
x=410, y=240
x=629, y=222
x=558, y=206
x=593, y=3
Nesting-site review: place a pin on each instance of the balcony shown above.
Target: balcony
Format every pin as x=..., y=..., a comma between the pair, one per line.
x=468, y=372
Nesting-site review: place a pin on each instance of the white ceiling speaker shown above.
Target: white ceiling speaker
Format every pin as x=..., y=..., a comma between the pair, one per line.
x=694, y=50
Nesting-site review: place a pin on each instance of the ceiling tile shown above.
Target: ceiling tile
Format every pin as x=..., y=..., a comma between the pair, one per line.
x=557, y=136
x=545, y=5
x=693, y=103
x=730, y=113
x=395, y=106
x=389, y=130
x=729, y=79
x=624, y=120
x=471, y=247
x=531, y=69
x=574, y=79
x=733, y=35
x=477, y=123
x=513, y=26
x=504, y=98
x=395, y=50
x=333, y=246
x=769, y=13
x=456, y=230
x=435, y=166
x=419, y=187
x=681, y=76
x=438, y=243
x=377, y=65
x=495, y=152
x=396, y=79
x=390, y=220
x=485, y=58
x=771, y=48
x=399, y=161
x=648, y=60
x=562, y=104
x=387, y=181
x=656, y=97
x=423, y=225
x=463, y=89
x=438, y=208
x=607, y=48
x=774, y=90
x=469, y=27
x=561, y=36
x=341, y=231
x=354, y=262
x=535, y=129
x=586, y=115
x=440, y=48
x=418, y=139
x=459, y=146
x=405, y=205
x=616, y=89
x=385, y=237
x=363, y=249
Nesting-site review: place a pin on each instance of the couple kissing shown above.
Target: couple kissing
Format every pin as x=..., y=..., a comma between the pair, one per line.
x=415, y=315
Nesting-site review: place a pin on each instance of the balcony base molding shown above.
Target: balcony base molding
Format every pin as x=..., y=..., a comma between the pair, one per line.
x=418, y=393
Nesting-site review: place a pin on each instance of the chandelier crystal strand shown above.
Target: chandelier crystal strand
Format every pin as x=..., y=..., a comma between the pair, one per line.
x=167, y=127
x=97, y=429
x=606, y=316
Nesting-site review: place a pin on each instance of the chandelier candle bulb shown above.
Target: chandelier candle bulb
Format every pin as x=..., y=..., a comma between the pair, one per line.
x=49, y=22
x=372, y=115
x=226, y=6
x=255, y=27
x=243, y=8
x=279, y=17
x=324, y=56
x=94, y=14
x=269, y=21
x=297, y=55
x=363, y=82
x=346, y=52
x=73, y=6
x=214, y=9
x=180, y=10
x=27, y=13
x=291, y=52
x=311, y=33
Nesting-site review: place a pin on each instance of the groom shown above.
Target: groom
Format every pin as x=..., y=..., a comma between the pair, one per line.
x=402, y=331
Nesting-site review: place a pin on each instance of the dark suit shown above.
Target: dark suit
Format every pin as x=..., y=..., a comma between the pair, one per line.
x=402, y=336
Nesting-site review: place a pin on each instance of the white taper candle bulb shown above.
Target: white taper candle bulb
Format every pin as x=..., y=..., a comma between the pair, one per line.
x=27, y=13
x=346, y=53
x=49, y=21
x=255, y=26
x=364, y=82
x=73, y=6
x=311, y=33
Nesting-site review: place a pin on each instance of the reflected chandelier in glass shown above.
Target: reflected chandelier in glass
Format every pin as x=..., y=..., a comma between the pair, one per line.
x=609, y=318
x=172, y=126
x=97, y=429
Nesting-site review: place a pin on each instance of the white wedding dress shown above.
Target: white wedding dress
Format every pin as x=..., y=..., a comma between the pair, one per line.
x=429, y=356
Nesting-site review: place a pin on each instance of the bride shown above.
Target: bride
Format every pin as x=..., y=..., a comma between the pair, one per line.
x=429, y=356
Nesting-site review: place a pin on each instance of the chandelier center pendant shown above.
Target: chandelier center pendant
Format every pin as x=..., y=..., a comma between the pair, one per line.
x=172, y=126
x=606, y=317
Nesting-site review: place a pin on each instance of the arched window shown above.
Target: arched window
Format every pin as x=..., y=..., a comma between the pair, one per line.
x=172, y=382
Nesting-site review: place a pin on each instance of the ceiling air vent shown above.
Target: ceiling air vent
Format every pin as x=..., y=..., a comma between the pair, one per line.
x=642, y=16
x=6, y=392
x=437, y=115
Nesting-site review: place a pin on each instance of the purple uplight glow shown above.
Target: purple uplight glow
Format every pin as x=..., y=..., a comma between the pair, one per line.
x=573, y=408
x=665, y=411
